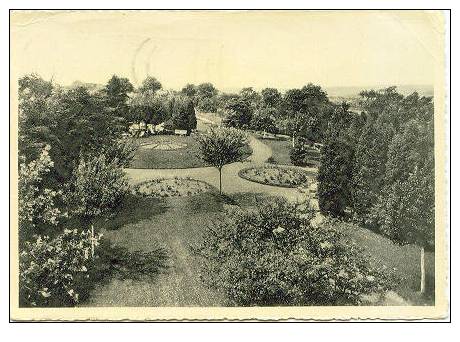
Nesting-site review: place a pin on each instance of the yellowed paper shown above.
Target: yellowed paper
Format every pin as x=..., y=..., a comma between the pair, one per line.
x=235, y=49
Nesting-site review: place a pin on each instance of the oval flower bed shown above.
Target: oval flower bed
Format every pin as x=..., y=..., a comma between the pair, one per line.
x=169, y=187
x=287, y=177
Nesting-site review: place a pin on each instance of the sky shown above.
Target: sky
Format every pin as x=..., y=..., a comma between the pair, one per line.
x=231, y=49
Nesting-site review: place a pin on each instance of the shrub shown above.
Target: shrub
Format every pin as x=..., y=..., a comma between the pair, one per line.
x=271, y=160
x=49, y=268
x=36, y=201
x=273, y=255
x=98, y=186
x=122, y=151
x=302, y=153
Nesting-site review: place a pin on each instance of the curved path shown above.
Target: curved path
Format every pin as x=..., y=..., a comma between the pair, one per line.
x=231, y=182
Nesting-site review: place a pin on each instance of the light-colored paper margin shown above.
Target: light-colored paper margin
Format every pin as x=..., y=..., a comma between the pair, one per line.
x=438, y=311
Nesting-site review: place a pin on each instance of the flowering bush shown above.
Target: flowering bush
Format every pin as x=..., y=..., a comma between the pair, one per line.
x=273, y=255
x=99, y=185
x=50, y=268
x=36, y=202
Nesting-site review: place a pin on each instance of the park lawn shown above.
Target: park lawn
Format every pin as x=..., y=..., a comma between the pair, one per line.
x=181, y=158
x=280, y=150
x=187, y=156
x=403, y=260
x=176, y=224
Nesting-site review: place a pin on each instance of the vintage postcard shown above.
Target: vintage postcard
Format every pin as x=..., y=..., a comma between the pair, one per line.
x=229, y=165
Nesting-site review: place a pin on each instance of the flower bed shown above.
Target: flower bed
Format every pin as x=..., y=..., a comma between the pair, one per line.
x=170, y=187
x=287, y=177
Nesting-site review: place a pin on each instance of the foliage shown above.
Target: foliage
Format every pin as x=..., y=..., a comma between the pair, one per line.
x=405, y=211
x=122, y=151
x=273, y=255
x=206, y=99
x=72, y=122
x=303, y=154
x=50, y=268
x=305, y=112
x=271, y=98
x=189, y=90
x=405, y=208
x=250, y=96
x=150, y=86
x=183, y=114
x=36, y=201
x=99, y=184
x=220, y=146
x=150, y=108
x=116, y=93
x=335, y=171
x=264, y=120
x=238, y=113
x=369, y=173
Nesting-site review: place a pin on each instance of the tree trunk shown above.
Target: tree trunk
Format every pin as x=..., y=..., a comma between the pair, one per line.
x=220, y=181
x=422, y=270
x=293, y=141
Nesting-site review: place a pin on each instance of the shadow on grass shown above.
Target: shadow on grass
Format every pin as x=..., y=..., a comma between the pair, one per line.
x=117, y=262
x=132, y=210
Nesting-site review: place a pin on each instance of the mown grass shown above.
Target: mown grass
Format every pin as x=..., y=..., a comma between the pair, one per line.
x=175, y=231
x=181, y=158
x=403, y=260
x=186, y=157
x=173, y=226
x=280, y=150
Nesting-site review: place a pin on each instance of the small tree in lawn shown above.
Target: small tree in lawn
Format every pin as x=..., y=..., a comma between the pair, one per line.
x=220, y=146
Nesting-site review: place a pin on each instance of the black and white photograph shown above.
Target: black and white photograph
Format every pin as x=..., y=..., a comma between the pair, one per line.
x=228, y=164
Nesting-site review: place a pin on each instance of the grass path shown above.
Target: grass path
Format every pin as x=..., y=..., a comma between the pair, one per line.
x=177, y=229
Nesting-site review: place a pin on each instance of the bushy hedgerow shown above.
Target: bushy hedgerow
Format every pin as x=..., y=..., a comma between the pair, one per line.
x=273, y=255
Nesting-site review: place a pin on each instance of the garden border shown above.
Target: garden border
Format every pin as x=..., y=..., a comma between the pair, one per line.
x=275, y=166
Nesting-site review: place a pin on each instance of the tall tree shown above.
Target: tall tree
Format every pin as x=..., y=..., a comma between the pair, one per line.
x=206, y=97
x=116, y=95
x=150, y=86
x=238, y=113
x=405, y=208
x=251, y=97
x=271, y=97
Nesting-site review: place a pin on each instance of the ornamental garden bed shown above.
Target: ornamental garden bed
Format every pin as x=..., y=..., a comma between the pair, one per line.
x=282, y=176
x=172, y=187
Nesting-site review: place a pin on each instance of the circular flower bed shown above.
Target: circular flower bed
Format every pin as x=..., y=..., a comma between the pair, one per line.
x=287, y=177
x=169, y=187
